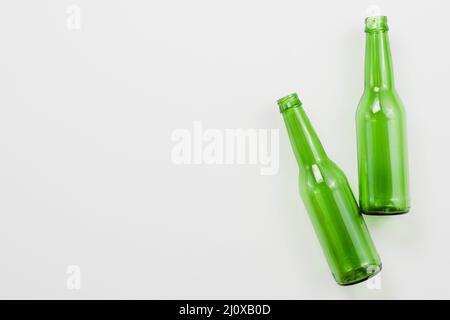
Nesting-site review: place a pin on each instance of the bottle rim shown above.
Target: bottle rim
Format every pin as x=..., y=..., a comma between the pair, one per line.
x=289, y=101
x=376, y=24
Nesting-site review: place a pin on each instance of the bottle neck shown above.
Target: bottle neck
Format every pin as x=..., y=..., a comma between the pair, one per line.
x=378, y=65
x=306, y=145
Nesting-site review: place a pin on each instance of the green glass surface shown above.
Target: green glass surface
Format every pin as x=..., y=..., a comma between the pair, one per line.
x=330, y=203
x=381, y=130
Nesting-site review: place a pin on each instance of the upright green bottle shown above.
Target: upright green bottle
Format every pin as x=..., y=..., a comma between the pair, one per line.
x=381, y=130
x=333, y=210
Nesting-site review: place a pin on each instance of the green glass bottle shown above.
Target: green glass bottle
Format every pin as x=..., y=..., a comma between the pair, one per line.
x=381, y=130
x=330, y=203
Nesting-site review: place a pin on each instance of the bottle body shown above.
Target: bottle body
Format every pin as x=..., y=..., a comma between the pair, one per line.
x=382, y=154
x=338, y=224
x=329, y=201
x=381, y=130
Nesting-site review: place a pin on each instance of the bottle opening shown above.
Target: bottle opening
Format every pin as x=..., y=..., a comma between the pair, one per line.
x=376, y=23
x=289, y=101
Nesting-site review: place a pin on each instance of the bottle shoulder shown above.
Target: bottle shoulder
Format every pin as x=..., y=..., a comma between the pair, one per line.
x=380, y=104
x=324, y=174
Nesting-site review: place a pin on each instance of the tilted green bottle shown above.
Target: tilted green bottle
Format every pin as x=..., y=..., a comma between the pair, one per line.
x=330, y=203
x=381, y=130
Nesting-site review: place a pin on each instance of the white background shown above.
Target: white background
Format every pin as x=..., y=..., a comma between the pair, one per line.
x=86, y=176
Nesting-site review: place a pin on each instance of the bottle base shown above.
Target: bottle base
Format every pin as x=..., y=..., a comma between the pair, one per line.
x=384, y=211
x=358, y=275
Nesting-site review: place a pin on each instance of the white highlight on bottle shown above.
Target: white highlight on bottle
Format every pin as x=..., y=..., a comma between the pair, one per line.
x=373, y=11
x=317, y=174
x=376, y=107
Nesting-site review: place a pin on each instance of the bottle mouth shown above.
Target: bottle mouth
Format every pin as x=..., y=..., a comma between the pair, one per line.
x=376, y=24
x=289, y=101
